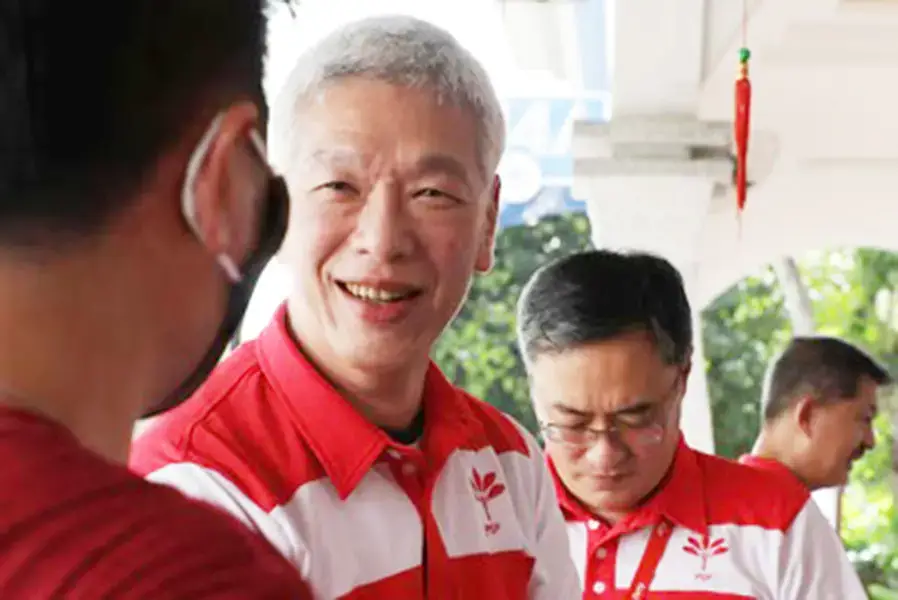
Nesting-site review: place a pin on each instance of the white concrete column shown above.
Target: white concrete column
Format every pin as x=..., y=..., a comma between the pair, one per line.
x=658, y=56
x=696, y=420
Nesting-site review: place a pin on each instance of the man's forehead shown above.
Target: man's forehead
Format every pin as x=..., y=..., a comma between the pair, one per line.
x=585, y=400
x=413, y=163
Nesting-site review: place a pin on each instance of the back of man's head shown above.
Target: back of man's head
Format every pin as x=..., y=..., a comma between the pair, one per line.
x=93, y=94
x=826, y=369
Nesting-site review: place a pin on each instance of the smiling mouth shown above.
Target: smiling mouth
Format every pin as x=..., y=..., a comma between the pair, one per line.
x=376, y=294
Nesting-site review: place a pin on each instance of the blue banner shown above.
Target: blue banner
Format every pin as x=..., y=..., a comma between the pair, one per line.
x=537, y=168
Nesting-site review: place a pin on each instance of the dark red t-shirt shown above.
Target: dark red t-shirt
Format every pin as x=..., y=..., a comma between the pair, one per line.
x=76, y=527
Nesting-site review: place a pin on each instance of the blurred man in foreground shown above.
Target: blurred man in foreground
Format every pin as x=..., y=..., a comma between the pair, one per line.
x=136, y=209
x=607, y=340
x=819, y=405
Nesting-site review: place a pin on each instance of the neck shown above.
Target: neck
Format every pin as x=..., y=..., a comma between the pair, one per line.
x=773, y=444
x=388, y=398
x=70, y=349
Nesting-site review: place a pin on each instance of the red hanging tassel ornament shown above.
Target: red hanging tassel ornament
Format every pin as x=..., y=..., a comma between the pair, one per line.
x=741, y=127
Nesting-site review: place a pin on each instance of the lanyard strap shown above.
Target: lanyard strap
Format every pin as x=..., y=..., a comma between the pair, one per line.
x=654, y=550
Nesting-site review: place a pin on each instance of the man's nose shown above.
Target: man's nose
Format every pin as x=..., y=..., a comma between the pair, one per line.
x=605, y=454
x=383, y=229
x=869, y=440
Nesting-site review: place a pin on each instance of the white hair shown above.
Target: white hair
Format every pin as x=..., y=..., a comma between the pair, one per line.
x=401, y=51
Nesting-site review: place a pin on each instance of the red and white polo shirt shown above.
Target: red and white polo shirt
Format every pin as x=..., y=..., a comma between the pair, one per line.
x=731, y=532
x=772, y=466
x=467, y=512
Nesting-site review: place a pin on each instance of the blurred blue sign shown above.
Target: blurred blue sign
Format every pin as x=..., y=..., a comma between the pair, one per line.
x=537, y=168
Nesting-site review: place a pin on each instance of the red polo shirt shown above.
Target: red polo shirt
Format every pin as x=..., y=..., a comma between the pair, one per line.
x=771, y=466
x=737, y=532
x=75, y=526
x=467, y=512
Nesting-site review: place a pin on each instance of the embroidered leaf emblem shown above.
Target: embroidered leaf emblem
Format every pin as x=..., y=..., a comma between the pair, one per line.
x=476, y=480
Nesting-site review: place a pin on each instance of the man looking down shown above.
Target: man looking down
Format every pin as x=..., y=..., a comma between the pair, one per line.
x=607, y=340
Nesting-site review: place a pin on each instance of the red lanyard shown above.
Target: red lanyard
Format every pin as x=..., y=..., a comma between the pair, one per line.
x=654, y=550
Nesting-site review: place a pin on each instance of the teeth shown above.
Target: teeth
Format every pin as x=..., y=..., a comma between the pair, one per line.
x=374, y=294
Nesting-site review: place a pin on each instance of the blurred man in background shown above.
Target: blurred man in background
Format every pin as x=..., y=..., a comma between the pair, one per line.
x=819, y=404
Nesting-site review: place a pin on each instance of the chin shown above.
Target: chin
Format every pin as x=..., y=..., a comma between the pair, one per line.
x=616, y=501
x=380, y=352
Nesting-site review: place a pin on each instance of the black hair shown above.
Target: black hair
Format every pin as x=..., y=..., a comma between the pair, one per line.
x=825, y=368
x=599, y=295
x=93, y=93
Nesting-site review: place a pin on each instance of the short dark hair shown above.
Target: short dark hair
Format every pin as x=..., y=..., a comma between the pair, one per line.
x=93, y=93
x=599, y=295
x=826, y=368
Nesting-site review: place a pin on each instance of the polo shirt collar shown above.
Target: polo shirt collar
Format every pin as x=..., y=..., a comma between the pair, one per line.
x=345, y=443
x=771, y=465
x=681, y=497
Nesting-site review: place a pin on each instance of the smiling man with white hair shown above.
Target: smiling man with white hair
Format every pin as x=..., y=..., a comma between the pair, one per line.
x=334, y=434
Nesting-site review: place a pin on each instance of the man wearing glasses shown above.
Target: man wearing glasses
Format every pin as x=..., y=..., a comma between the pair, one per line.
x=607, y=339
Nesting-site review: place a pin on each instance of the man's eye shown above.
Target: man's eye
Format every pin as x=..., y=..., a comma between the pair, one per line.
x=337, y=186
x=438, y=196
x=637, y=419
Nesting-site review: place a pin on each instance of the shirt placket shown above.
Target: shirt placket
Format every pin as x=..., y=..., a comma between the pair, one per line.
x=408, y=467
x=601, y=557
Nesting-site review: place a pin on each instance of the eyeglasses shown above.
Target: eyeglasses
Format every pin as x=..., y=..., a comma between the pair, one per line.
x=646, y=430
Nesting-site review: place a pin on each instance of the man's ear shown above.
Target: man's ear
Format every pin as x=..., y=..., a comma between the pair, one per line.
x=486, y=252
x=804, y=413
x=214, y=210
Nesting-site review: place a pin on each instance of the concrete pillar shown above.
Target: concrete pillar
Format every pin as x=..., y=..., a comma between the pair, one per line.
x=658, y=56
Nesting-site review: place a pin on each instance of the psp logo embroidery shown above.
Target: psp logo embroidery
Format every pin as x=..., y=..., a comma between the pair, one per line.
x=705, y=549
x=486, y=489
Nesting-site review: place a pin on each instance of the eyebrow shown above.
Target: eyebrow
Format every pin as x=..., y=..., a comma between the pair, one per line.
x=442, y=163
x=569, y=410
x=635, y=408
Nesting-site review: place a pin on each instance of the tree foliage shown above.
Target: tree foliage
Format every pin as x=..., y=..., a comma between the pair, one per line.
x=479, y=351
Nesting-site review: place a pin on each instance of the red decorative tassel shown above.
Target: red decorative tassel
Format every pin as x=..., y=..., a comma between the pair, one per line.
x=741, y=127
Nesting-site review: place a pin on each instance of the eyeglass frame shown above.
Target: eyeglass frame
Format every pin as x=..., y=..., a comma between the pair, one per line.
x=550, y=431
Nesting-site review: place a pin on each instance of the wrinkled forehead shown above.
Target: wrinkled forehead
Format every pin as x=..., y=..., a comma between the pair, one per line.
x=359, y=121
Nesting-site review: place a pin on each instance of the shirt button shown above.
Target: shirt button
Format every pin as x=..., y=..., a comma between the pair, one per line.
x=393, y=454
x=598, y=588
x=593, y=525
x=601, y=553
x=408, y=469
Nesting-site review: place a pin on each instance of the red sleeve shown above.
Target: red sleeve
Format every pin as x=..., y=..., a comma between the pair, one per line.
x=183, y=550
